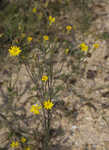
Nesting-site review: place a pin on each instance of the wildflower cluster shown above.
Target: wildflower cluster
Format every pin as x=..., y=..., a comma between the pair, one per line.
x=14, y=144
x=84, y=47
x=43, y=62
x=16, y=50
x=51, y=20
x=47, y=105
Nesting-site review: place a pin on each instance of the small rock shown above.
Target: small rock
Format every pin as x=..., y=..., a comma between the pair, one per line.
x=91, y=74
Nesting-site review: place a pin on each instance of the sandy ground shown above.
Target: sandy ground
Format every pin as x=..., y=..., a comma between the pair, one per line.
x=85, y=125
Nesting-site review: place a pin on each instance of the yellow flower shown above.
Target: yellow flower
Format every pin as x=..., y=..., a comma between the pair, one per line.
x=14, y=50
x=96, y=45
x=34, y=10
x=35, y=109
x=48, y=104
x=27, y=148
x=84, y=47
x=51, y=20
x=44, y=78
x=66, y=51
x=45, y=37
x=68, y=28
x=23, y=139
x=14, y=144
x=29, y=39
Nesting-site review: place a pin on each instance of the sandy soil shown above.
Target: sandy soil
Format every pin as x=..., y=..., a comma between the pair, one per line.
x=85, y=124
